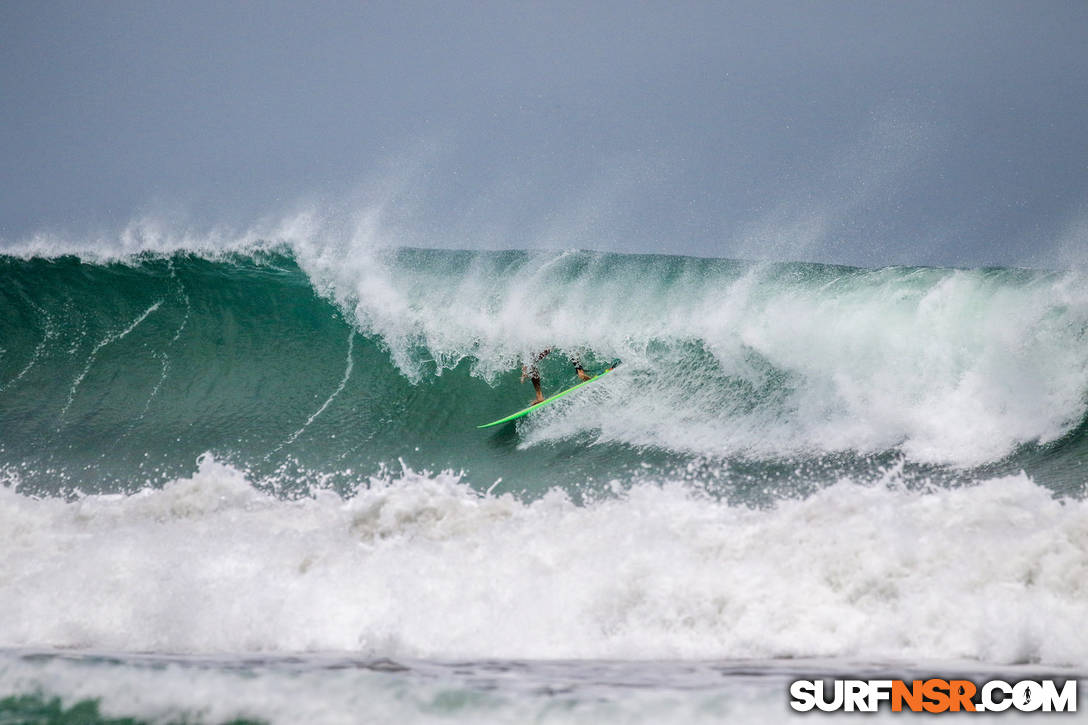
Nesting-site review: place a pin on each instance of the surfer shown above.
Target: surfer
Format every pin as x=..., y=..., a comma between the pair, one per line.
x=533, y=373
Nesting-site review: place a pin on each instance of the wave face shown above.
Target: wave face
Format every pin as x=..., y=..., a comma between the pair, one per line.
x=274, y=450
x=316, y=367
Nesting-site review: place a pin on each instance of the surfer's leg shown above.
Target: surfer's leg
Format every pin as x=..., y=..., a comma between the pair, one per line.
x=582, y=374
x=533, y=373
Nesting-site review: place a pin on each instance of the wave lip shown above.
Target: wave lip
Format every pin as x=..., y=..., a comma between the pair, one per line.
x=424, y=566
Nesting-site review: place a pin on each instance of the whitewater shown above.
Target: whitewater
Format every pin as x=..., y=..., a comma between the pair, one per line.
x=245, y=481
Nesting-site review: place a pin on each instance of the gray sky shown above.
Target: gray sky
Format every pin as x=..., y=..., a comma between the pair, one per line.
x=857, y=132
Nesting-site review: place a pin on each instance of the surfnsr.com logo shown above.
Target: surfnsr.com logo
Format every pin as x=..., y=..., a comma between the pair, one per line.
x=933, y=695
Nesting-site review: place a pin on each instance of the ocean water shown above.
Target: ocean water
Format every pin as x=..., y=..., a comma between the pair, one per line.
x=244, y=482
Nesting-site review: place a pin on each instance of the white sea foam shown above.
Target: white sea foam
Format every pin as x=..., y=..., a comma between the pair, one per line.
x=949, y=366
x=423, y=566
x=956, y=367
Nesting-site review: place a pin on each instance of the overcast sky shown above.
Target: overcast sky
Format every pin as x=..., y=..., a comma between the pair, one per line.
x=857, y=132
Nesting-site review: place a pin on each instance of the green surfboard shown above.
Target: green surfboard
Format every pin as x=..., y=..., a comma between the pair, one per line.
x=546, y=401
